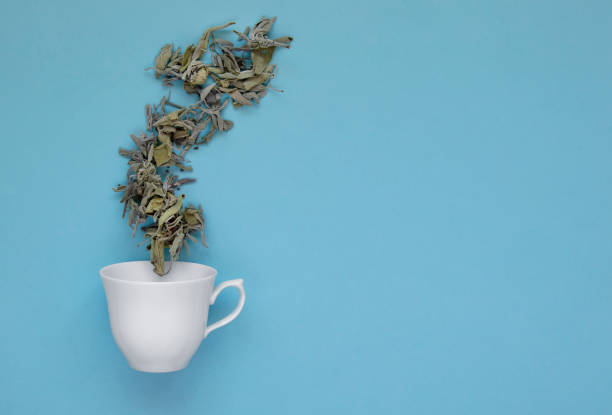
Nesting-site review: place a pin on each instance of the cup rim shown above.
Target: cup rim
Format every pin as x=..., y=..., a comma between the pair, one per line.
x=104, y=274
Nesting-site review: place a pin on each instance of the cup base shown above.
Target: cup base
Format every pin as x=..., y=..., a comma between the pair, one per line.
x=158, y=369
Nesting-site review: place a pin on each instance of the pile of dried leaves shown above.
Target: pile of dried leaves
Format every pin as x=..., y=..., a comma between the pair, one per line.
x=239, y=73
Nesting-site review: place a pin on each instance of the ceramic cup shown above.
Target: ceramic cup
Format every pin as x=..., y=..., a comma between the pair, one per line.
x=159, y=322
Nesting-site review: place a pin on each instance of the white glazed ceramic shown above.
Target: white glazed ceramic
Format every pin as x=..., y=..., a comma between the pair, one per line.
x=159, y=322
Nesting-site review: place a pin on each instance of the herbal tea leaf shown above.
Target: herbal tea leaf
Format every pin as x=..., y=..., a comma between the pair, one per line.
x=239, y=72
x=261, y=59
x=162, y=58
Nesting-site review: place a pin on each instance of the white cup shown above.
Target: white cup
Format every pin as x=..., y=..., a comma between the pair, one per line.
x=159, y=322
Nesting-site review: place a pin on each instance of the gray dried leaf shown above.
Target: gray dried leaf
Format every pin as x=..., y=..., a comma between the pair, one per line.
x=241, y=73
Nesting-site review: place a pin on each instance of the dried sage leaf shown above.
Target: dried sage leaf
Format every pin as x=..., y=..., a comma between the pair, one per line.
x=240, y=73
x=163, y=57
x=261, y=59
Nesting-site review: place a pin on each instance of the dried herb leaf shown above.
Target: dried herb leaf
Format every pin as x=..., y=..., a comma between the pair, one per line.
x=154, y=205
x=163, y=57
x=241, y=71
x=261, y=59
x=162, y=154
x=254, y=81
x=187, y=57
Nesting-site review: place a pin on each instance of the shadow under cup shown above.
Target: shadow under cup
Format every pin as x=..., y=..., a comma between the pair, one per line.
x=159, y=322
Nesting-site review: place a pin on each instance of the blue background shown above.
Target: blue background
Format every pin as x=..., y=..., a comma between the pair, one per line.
x=422, y=219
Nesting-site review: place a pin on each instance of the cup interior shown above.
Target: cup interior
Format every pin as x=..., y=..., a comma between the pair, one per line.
x=142, y=272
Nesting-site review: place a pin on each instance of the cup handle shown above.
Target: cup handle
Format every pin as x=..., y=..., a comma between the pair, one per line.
x=238, y=283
